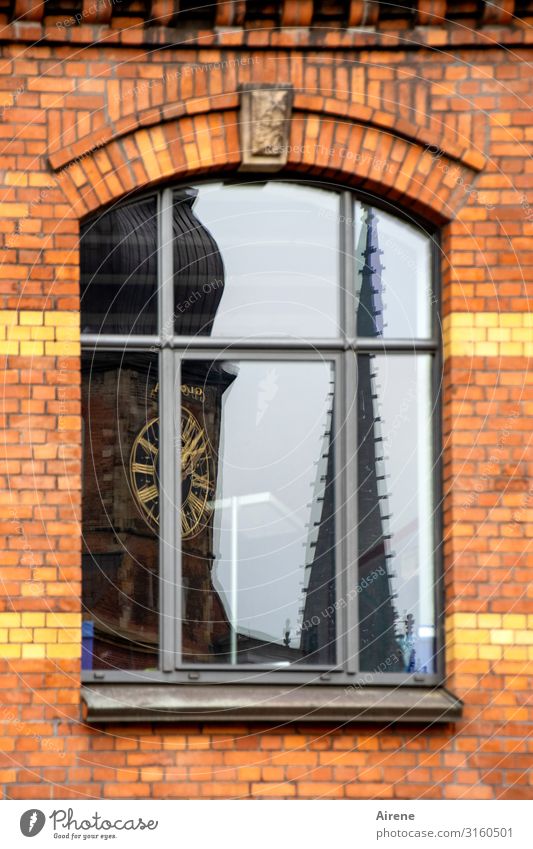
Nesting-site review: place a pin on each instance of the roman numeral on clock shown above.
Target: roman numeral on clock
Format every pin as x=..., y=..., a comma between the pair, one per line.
x=143, y=469
x=196, y=506
x=148, y=493
x=149, y=447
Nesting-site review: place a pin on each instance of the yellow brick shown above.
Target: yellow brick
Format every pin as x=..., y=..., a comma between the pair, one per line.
x=9, y=620
x=465, y=652
x=31, y=349
x=514, y=653
x=20, y=635
x=33, y=317
x=63, y=620
x=524, y=638
x=63, y=650
x=461, y=349
x=511, y=349
x=62, y=349
x=527, y=319
x=522, y=334
x=10, y=650
x=3, y=635
x=479, y=637
x=8, y=317
x=486, y=349
x=45, y=635
x=527, y=349
x=61, y=319
x=489, y=620
x=42, y=333
x=33, y=620
x=514, y=620
x=486, y=319
x=476, y=334
x=500, y=637
x=499, y=334
x=68, y=334
x=69, y=635
x=475, y=636
x=467, y=334
x=33, y=651
x=461, y=319
x=464, y=620
x=510, y=319
x=17, y=332
x=490, y=652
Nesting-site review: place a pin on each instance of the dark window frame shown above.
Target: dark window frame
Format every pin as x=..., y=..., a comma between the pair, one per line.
x=342, y=351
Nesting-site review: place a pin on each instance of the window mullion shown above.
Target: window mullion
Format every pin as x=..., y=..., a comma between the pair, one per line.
x=347, y=264
x=169, y=539
x=351, y=513
x=165, y=268
x=169, y=544
x=349, y=208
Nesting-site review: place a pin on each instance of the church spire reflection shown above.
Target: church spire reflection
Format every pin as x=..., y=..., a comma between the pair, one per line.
x=377, y=608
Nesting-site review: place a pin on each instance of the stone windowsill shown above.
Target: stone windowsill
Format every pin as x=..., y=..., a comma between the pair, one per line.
x=268, y=703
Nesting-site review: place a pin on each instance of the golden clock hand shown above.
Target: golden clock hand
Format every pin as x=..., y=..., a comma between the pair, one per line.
x=190, y=452
x=191, y=445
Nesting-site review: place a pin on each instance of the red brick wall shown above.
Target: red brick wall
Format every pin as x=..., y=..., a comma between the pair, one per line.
x=441, y=130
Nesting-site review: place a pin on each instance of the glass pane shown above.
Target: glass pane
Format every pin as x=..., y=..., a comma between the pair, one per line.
x=118, y=259
x=257, y=260
x=258, y=512
x=120, y=512
x=393, y=277
x=396, y=548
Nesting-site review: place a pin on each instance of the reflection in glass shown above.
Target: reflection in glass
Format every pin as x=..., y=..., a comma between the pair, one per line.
x=396, y=577
x=257, y=512
x=198, y=269
x=267, y=253
x=118, y=258
x=392, y=277
x=120, y=511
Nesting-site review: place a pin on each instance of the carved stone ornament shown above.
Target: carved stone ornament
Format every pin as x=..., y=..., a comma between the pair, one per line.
x=264, y=126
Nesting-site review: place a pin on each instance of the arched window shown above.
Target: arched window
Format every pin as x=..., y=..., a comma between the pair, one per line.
x=259, y=370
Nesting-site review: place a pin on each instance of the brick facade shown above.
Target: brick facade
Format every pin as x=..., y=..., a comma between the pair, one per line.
x=430, y=115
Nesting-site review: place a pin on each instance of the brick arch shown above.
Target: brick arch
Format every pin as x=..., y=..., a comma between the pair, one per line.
x=404, y=170
x=126, y=116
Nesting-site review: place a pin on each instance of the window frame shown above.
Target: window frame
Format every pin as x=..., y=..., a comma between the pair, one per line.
x=342, y=351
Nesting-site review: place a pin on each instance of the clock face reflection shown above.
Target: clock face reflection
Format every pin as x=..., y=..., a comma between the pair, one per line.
x=196, y=476
x=197, y=480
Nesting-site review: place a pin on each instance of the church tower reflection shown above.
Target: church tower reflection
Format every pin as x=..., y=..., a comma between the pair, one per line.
x=378, y=616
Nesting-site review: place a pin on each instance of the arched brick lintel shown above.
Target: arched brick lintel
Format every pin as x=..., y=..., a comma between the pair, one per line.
x=422, y=180
x=437, y=137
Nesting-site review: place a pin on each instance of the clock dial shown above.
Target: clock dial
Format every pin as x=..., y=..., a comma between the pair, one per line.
x=196, y=476
x=197, y=484
x=143, y=472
